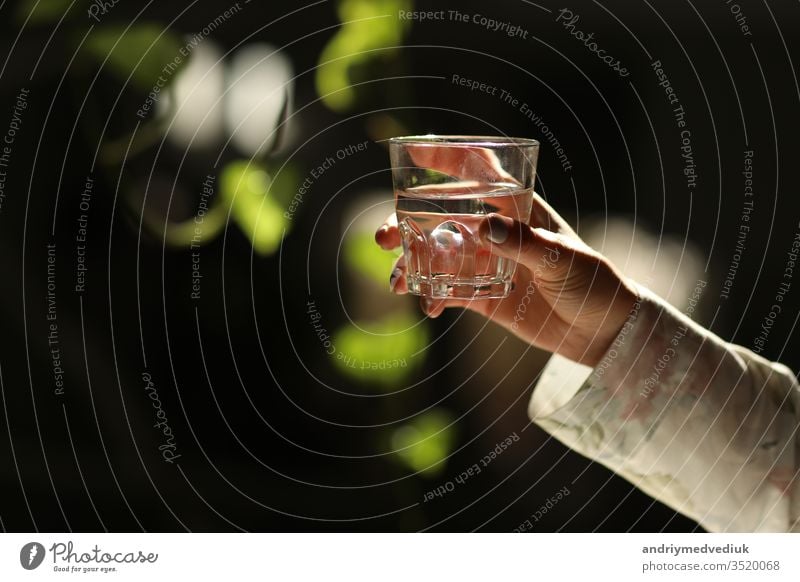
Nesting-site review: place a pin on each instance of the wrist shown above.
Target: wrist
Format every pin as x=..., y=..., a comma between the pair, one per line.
x=621, y=310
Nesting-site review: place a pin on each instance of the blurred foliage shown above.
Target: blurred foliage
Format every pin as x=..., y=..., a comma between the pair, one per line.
x=257, y=201
x=142, y=52
x=382, y=126
x=149, y=54
x=44, y=11
x=383, y=352
x=367, y=26
x=363, y=255
x=423, y=443
x=182, y=234
x=284, y=182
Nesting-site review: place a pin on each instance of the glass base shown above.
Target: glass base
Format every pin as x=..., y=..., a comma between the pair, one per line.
x=446, y=288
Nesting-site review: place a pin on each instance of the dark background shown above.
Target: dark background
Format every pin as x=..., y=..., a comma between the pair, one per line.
x=272, y=434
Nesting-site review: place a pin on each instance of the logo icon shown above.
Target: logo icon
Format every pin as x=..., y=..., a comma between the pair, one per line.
x=31, y=555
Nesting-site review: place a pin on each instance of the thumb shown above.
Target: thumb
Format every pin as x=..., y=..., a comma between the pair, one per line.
x=534, y=248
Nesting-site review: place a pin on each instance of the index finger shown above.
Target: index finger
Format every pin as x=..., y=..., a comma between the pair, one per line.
x=544, y=216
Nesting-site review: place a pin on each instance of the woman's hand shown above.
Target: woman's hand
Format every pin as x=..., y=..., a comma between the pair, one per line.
x=567, y=298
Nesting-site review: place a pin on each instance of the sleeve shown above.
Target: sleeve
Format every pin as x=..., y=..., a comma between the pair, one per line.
x=706, y=427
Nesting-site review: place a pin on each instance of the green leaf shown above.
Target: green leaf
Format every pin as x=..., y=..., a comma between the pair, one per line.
x=149, y=53
x=284, y=182
x=425, y=442
x=367, y=25
x=44, y=11
x=362, y=254
x=184, y=234
x=384, y=352
x=247, y=188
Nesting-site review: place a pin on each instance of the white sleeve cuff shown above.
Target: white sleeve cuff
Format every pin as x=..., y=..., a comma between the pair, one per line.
x=704, y=426
x=559, y=382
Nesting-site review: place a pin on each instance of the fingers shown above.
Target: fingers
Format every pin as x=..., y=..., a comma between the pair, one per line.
x=388, y=235
x=397, y=279
x=542, y=216
x=465, y=163
x=531, y=247
x=433, y=308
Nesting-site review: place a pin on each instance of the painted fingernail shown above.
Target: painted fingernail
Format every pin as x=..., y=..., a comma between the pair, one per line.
x=428, y=308
x=395, y=277
x=497, y=229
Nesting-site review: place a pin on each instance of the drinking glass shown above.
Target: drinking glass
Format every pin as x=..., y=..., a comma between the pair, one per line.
x=444, y=186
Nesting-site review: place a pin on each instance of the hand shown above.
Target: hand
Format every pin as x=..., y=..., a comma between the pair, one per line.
x=567, y=298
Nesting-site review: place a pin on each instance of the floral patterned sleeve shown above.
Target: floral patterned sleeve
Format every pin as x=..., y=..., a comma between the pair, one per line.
x=706, y=427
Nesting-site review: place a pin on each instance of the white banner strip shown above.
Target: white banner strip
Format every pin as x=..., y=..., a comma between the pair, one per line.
x=399, y=557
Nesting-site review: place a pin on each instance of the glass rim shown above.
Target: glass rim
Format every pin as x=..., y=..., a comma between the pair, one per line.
x=463, y=141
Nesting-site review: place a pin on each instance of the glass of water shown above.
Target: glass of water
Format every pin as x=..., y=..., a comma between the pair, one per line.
x=444, y=186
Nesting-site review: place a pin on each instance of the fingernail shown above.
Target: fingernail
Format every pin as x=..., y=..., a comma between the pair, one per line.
x=496, y=230
x=427, y=307
x=395, y=277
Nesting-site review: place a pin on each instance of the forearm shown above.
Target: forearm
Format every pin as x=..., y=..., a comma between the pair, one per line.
x=704, y=426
